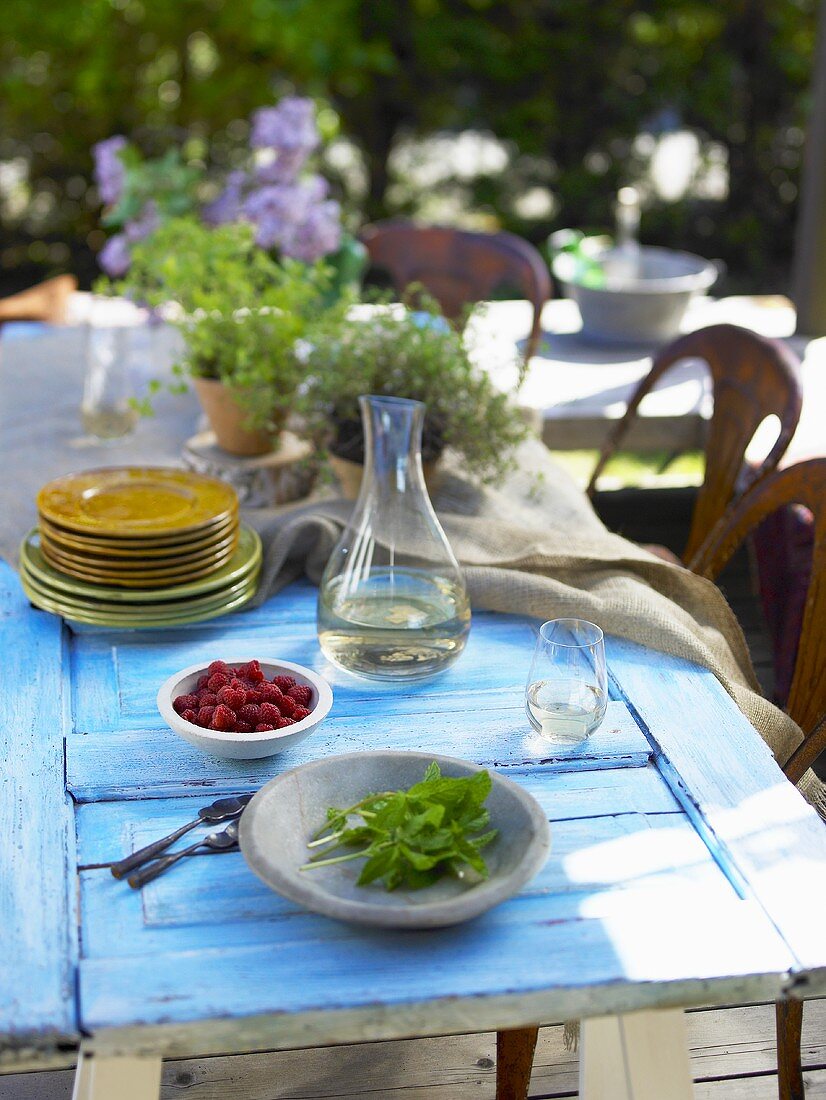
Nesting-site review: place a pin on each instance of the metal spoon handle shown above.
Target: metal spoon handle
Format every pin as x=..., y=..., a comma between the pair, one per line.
x=123, y=866
x=140, y=878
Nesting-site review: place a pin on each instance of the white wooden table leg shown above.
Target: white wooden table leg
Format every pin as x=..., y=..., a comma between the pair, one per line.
x=636, y=1056
x=102, y=1078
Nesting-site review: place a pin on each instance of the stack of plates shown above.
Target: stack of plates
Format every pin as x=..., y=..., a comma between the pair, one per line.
x=139, y=546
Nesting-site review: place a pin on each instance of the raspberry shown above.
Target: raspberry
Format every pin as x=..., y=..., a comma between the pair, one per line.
x=302, y=693
x=217, y=681
x=205, y=716
x=299, y=713
x=263, y=727
x=270, y=693
x=250, y=713
x=190, y=715
x=185, y=702
x=269, y=712
x=218, y=666
x=282, y=722
x=283, y=682
x=287, y=706
x=208, y=699
x=202, y=683
x=252, y=672
x=255, y=697
x=232, y=697
x=243, y=727
x=222, y=719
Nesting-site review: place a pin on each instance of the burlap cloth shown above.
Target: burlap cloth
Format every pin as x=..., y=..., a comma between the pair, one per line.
x=534, y=546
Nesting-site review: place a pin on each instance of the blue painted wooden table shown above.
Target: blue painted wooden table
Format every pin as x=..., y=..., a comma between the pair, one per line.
x=684, y=868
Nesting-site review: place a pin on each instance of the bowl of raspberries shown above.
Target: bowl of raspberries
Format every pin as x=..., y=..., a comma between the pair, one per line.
x=245, y=709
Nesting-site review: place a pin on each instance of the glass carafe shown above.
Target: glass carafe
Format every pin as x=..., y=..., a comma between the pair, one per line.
x=392, y=603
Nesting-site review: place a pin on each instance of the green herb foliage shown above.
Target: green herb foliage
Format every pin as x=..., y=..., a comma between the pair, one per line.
x=247, y=318
x=411, y=838
x=415, y=353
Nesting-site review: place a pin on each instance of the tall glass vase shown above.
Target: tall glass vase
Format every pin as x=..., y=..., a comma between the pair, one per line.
x=392, y=603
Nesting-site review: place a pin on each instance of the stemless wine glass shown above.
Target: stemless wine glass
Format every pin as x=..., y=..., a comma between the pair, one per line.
x=117, y=339
x=567, y=690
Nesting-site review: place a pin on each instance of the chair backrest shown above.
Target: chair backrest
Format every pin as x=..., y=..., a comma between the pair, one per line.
x=458, y=267
x=752, y=377
x=803, y=483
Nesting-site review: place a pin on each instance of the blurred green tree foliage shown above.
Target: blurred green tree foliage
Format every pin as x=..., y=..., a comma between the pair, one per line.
x=567, y=85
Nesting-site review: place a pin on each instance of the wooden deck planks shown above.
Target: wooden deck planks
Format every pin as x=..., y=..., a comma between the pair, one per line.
x=732, y=1055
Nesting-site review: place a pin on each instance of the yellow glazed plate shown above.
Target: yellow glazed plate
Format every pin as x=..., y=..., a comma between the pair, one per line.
x=212, y=537
x=244, y=561
x=161, y=568
x=150, y=579
x=133, y=621
x=136, y=500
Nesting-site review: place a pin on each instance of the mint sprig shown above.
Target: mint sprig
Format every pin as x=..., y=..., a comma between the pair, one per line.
x=411, y=838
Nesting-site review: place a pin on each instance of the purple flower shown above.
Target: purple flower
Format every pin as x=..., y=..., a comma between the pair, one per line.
x=271, y=209
x=289, y=126
x=316, y=236
x=114, y=257
x=294, y=218
x=144, y=225
x=109, y=168
x=228, y=206
x=283, y=167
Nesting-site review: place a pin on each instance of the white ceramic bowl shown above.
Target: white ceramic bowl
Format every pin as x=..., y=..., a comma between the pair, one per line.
x=246, y=746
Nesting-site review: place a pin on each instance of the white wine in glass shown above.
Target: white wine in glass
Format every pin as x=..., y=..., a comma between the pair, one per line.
x=566, y=695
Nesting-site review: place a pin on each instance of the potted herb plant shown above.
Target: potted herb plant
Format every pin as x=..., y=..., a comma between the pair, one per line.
x=246, y=318
x=394, y=351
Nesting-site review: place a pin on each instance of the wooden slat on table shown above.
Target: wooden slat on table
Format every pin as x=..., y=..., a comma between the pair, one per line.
x=118, y=746
x=728, y=782
x=37, y=901
x=619, y=891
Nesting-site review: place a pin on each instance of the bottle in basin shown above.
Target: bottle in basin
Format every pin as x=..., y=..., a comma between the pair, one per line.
x=392, y=603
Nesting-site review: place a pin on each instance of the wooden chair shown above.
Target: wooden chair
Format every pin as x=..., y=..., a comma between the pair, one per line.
x=803, y=483
x=45, y=302
x=458, y=267
x=752, y=377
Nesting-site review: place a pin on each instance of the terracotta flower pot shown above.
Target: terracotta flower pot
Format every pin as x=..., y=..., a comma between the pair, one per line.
x=227, y=417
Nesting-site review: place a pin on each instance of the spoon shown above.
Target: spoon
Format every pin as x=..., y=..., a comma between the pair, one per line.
x=218, y=842
x=223, y=809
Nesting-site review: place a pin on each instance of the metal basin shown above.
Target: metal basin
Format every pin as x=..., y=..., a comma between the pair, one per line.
x=645, y=308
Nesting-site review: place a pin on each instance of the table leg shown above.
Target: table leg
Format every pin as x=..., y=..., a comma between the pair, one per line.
x=636, y=1056
x=125, y=1078
x=514, y=1061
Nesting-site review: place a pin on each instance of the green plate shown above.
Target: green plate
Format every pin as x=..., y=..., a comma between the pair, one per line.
x=171, y=607
x=245, y=560
x=136, y=620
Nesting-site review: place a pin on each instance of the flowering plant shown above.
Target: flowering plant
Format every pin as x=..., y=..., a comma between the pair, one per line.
x=247, y=319
x=286, y=204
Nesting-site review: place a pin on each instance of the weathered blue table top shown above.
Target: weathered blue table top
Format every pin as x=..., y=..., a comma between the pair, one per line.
x=684, y=868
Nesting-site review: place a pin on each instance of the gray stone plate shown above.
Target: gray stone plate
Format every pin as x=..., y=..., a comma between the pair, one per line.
x=285, y=813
